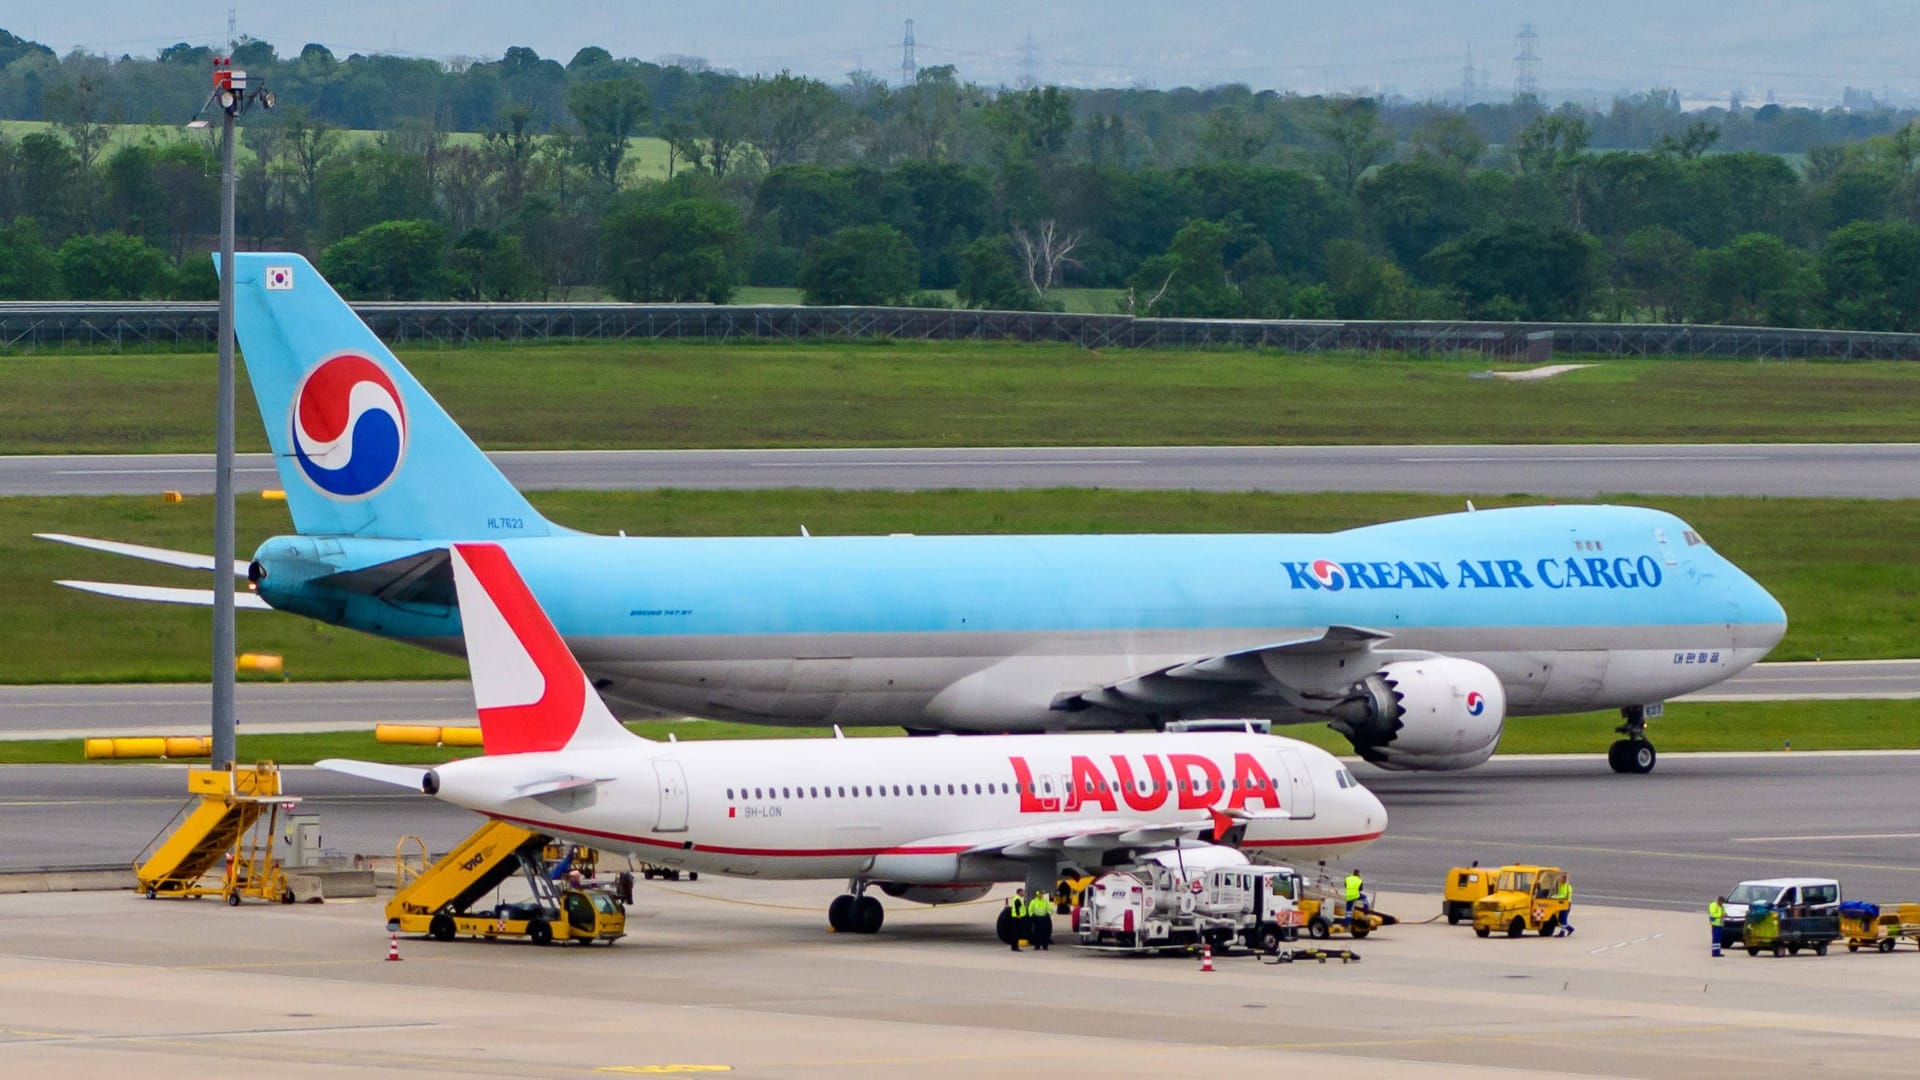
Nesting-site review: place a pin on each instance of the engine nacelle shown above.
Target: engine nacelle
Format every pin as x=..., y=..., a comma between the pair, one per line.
x=1441, y=713
x=933, y=894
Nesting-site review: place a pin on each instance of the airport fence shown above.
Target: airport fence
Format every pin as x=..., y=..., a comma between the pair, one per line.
x=30, y=326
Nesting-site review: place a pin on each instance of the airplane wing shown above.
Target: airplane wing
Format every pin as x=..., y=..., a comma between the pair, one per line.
x=187, y=560
x=1289, y=666
x=398, y=775
x=161, y=594
x=1087, y=837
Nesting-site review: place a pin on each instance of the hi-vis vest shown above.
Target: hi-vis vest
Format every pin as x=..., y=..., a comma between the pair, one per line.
x=1354, y=885
x=1565, y=893
x=1040, y=905
x=1715, y=912
x=1018, y=906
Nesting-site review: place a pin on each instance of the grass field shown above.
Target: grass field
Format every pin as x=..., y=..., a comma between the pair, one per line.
x=1844, y=570
x=1777, y=726
x=662, y=395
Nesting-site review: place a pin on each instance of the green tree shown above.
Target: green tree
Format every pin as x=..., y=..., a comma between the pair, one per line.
x=991, y=280
x=394, y=260
x=1655, y=264
x=1415, y=206
x=1870, y=271
x=1755, y=280
x=674, y=250
x=1362, y=285
x=489, y=265
x=1190, y=279
x=1353, y=138
x=609, y=112
x=1519, y=270
x=28, y=268
x=861, y=264
x=113, y=266
x=788, y=117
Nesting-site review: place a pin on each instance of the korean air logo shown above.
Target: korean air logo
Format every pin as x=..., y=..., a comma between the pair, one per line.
x=1331, y=575
x=1476, y=703
x=348, y=425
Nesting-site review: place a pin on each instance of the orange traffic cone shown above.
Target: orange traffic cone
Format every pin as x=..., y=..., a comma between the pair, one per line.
x=393, y=947
x=1206, y=958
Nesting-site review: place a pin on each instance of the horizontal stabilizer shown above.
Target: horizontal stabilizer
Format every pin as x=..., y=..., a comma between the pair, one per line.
x=538, y=788
x=397, y=775
x=161, y=594
x=186, y=560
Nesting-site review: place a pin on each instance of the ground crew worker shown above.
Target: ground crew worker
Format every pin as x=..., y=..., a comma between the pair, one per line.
x=1354, y=895
x=1017, y=908
x=1040, y=914
x=1565, y=893
x=1716, y=912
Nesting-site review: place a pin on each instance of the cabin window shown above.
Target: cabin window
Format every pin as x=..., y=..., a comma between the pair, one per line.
x=896, y=789
x=869, y=791
x=729, y=794
x=813, y=793
x=786, y=793
x=843, y=792
x=756, y=793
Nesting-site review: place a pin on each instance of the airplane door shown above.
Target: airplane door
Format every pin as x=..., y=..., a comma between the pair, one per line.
x=673, y=796
x=1300, y=785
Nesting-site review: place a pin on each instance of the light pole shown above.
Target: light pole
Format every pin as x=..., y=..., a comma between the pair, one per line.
x=231, y=96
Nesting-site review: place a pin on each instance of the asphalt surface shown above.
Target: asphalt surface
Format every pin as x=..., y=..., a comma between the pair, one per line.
x=1878, y=471
x=58, y=712
x=1697, y=825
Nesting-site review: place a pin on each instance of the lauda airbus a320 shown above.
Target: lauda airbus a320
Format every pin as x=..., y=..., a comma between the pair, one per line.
x=935, y=820
x=1413, y=638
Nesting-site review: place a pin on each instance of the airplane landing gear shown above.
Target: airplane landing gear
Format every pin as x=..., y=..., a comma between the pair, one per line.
x=1633, y=754
x=854, y=912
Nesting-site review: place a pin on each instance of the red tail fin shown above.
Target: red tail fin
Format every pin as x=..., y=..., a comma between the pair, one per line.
x=530, y=691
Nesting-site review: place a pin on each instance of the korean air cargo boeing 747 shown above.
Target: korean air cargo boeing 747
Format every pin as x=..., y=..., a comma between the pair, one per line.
x=1415, y=639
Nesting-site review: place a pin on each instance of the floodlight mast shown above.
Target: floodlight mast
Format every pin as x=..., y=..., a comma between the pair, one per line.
x=231, y=96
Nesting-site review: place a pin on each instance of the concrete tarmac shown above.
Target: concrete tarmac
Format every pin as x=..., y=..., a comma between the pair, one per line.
x=1863, y=470
x=744, y=978
x=79, y=711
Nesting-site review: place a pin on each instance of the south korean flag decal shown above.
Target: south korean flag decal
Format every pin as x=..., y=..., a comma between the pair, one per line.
x=280, y=278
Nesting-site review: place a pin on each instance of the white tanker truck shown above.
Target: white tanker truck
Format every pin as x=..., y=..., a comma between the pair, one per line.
x=1154, y=907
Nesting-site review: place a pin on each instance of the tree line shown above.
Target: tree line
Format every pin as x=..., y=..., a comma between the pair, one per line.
x=516, y=178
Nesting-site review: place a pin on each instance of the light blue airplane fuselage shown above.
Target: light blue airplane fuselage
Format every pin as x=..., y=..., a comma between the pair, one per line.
x=1571, y=607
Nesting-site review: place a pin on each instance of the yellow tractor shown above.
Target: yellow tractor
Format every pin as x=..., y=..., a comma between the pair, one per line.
x=1465, y=886
x=1325, y=917
x=1523, y=899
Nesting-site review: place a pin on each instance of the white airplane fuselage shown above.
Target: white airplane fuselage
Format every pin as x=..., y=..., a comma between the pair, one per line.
x=912, y=810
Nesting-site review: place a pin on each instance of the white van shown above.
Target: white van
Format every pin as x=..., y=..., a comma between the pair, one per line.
x=1818, y=896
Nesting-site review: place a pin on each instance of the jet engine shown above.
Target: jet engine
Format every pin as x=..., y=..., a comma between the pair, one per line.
x=933, y=894
x=1441, y=713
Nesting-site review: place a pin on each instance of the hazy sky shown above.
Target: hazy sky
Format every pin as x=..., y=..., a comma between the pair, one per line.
x=1800, y=48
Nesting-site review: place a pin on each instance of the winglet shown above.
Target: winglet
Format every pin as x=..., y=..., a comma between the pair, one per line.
x=1221, y=823
x=530, y=692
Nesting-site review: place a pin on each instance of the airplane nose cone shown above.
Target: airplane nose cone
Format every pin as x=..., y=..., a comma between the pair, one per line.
x=1759, y=620
x=1375, y=812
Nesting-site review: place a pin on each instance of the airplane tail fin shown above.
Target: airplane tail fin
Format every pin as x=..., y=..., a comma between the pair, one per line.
x=530, y=691
x=362, y=448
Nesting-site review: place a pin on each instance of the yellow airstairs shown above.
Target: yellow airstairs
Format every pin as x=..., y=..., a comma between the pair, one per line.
x=221, y=849
x=444, y=899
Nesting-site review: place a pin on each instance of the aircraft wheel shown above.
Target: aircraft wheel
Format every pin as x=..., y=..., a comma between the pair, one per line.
x=1617, y=756
x=440, y=928
x=868, y=915
x=1640, y=756
x=840, y=913
x=539, y=932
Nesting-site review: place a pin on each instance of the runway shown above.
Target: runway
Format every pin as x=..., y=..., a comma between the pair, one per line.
x=1874, y=471
x=61, y=712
